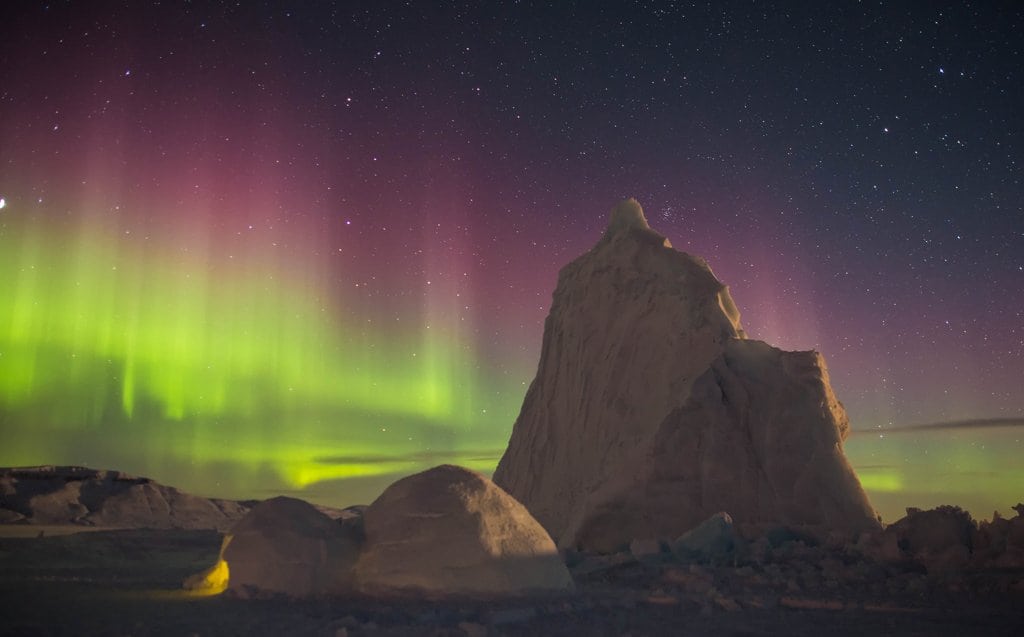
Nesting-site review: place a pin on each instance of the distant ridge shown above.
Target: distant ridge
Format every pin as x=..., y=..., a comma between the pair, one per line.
x=92, y=497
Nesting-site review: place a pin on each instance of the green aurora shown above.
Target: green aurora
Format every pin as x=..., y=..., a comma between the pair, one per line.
x=975, y=467
x=115, y=352
x=239, y=377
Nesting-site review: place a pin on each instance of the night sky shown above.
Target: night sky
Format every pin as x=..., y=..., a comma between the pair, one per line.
x=255, y=248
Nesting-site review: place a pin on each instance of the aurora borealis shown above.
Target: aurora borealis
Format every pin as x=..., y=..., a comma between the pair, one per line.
x=249, y=250
x=229, y=364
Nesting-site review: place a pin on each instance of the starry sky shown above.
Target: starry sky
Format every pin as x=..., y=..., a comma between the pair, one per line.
x=257, y=248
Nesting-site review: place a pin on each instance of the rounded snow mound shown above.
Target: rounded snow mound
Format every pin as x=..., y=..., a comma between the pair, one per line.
x=287, y=546
x=449, y=531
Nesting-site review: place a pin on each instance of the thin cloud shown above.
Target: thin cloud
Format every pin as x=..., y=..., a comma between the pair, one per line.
x=979, y=423
x=969, y=474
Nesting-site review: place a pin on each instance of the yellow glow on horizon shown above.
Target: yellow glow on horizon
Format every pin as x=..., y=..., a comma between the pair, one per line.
x=302, y=475
x=881, y=480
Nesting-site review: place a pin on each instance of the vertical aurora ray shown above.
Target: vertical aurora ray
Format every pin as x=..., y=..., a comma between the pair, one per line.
x=116, y=348
x=182, y=296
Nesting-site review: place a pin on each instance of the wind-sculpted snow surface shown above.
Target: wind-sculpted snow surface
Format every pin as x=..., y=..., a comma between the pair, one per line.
x=651, y=411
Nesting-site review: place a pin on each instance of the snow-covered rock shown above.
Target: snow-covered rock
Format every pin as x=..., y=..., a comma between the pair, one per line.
x=449, y=531
x=289, y=547
x=713, y=539
x=650, y=410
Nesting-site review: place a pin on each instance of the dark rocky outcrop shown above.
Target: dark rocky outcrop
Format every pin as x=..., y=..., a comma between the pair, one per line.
x=1000, y=542
x=947, y=539
x=713, y=539
x=942, y=538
